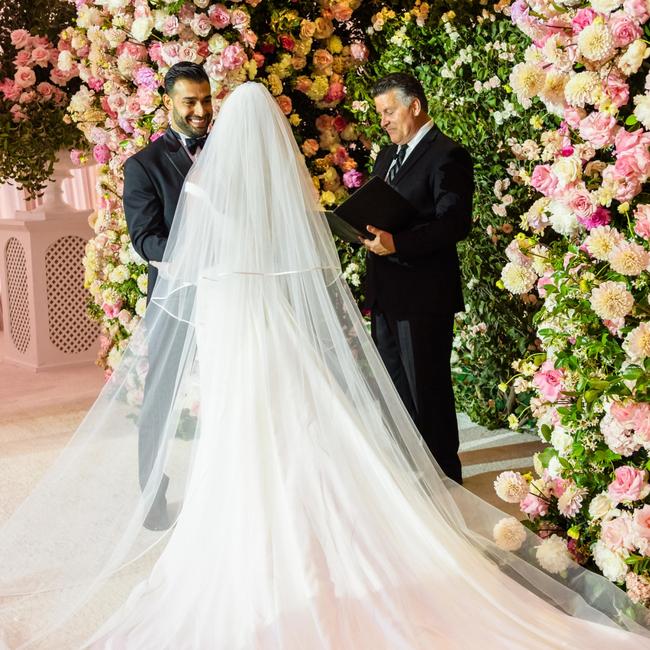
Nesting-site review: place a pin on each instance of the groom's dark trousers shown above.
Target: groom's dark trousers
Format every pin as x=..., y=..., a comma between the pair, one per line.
x=153, y=179
x=414, y=293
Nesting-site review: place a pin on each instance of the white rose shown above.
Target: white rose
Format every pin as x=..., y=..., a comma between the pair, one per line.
x=601, y=507
x=141, y=306
x=605, y=6
x=562, y=442
x=642, y=109
x=612, y=565
x=143, y=283
x=65, y=61
x=633, y=57
x=568, y=169
x=141, y=28
x=554, y=467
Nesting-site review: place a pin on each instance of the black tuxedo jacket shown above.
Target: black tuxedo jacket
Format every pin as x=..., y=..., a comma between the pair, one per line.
x=423, y=276
x=153, y=179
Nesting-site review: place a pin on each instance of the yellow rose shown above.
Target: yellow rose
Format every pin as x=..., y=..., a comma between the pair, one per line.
x=294, y=119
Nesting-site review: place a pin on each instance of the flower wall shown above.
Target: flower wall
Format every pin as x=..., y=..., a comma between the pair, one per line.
x=121, y=50
x=584, y=249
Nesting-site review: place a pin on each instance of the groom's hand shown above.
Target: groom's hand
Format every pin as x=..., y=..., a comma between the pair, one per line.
x=381, y=244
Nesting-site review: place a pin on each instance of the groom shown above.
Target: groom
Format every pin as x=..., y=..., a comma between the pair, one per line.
x=413, y=284
x=153, y=179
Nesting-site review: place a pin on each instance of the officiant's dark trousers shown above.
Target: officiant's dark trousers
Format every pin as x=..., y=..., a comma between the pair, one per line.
x=416, y=351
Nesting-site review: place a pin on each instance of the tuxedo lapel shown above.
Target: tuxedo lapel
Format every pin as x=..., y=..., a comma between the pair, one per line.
x=176, y=153
x=416, y=154
x=383, y=163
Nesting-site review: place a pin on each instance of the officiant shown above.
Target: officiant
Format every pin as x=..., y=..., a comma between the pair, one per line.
x=413, y=283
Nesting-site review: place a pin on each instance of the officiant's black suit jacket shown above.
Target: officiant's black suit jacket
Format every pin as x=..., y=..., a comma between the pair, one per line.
x=423, y=277
x=153, y=179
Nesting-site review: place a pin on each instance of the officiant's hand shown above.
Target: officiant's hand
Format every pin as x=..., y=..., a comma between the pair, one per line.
x=382, y=244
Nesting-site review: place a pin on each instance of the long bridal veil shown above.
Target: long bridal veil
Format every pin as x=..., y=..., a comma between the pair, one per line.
x=312, y=515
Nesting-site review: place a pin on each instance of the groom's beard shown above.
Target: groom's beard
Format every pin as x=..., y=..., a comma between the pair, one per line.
x=184, y=125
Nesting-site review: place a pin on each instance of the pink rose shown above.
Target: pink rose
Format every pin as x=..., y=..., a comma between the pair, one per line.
x=544, y=180
x=170, y=26
x=617, y=88
x=582, y=19
x=41, y=56
x=600, y=217
x=629, y=484
x=624, y=30
x=353, y=179
x=20, y=38
x=45, y=90
x=573, y=116
x=638, y=9
x=24, y=77
x=233, y=57
x=10, y=90
x=626, y=140
x=642, y=223
x=112, y=310
x=533, y=506
x=239, y=19
x=134, y=50
x=201, y=25
x=599, y=129
x=617, y=535
x=102, y=154
x=581, y=204
x=156, y=53
x=17, y=114
x=335, y=93
x=641, y=529
x=61, y=78
x=548, y=380
x=170, y=53
x=219, y=16
x=95, y=84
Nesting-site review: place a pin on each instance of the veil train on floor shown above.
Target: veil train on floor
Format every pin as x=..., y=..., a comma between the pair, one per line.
x=311, y=514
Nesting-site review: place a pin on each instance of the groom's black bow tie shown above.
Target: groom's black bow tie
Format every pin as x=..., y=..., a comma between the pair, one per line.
x=193, y=143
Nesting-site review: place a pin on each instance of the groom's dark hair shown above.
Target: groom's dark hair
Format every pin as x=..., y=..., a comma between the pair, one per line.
x=184, y=70
x=408, y=86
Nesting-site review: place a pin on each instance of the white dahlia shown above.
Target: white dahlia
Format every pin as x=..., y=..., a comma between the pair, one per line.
x=553, y=555
x=611, y=300
x=518, y=279
x=509, y=534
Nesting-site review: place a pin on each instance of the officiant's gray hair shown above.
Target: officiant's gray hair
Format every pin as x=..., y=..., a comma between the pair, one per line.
x=407, y=85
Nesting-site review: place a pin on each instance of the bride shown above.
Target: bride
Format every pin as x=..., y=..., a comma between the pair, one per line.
x=313, y=516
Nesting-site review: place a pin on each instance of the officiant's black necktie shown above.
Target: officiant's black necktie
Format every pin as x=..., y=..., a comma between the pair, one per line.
x=193, y=143
x=399, y=159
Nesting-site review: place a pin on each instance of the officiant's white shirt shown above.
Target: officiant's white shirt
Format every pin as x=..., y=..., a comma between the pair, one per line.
x=413, y=142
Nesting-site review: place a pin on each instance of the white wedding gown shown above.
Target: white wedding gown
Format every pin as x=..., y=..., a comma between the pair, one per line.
x=313, y=516
x=298, y=534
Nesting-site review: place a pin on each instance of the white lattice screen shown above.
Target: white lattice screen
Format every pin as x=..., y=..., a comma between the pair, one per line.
x=18, y=294
x=69, y=327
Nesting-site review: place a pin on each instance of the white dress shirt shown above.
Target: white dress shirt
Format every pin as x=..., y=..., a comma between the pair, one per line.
x=413, y=142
